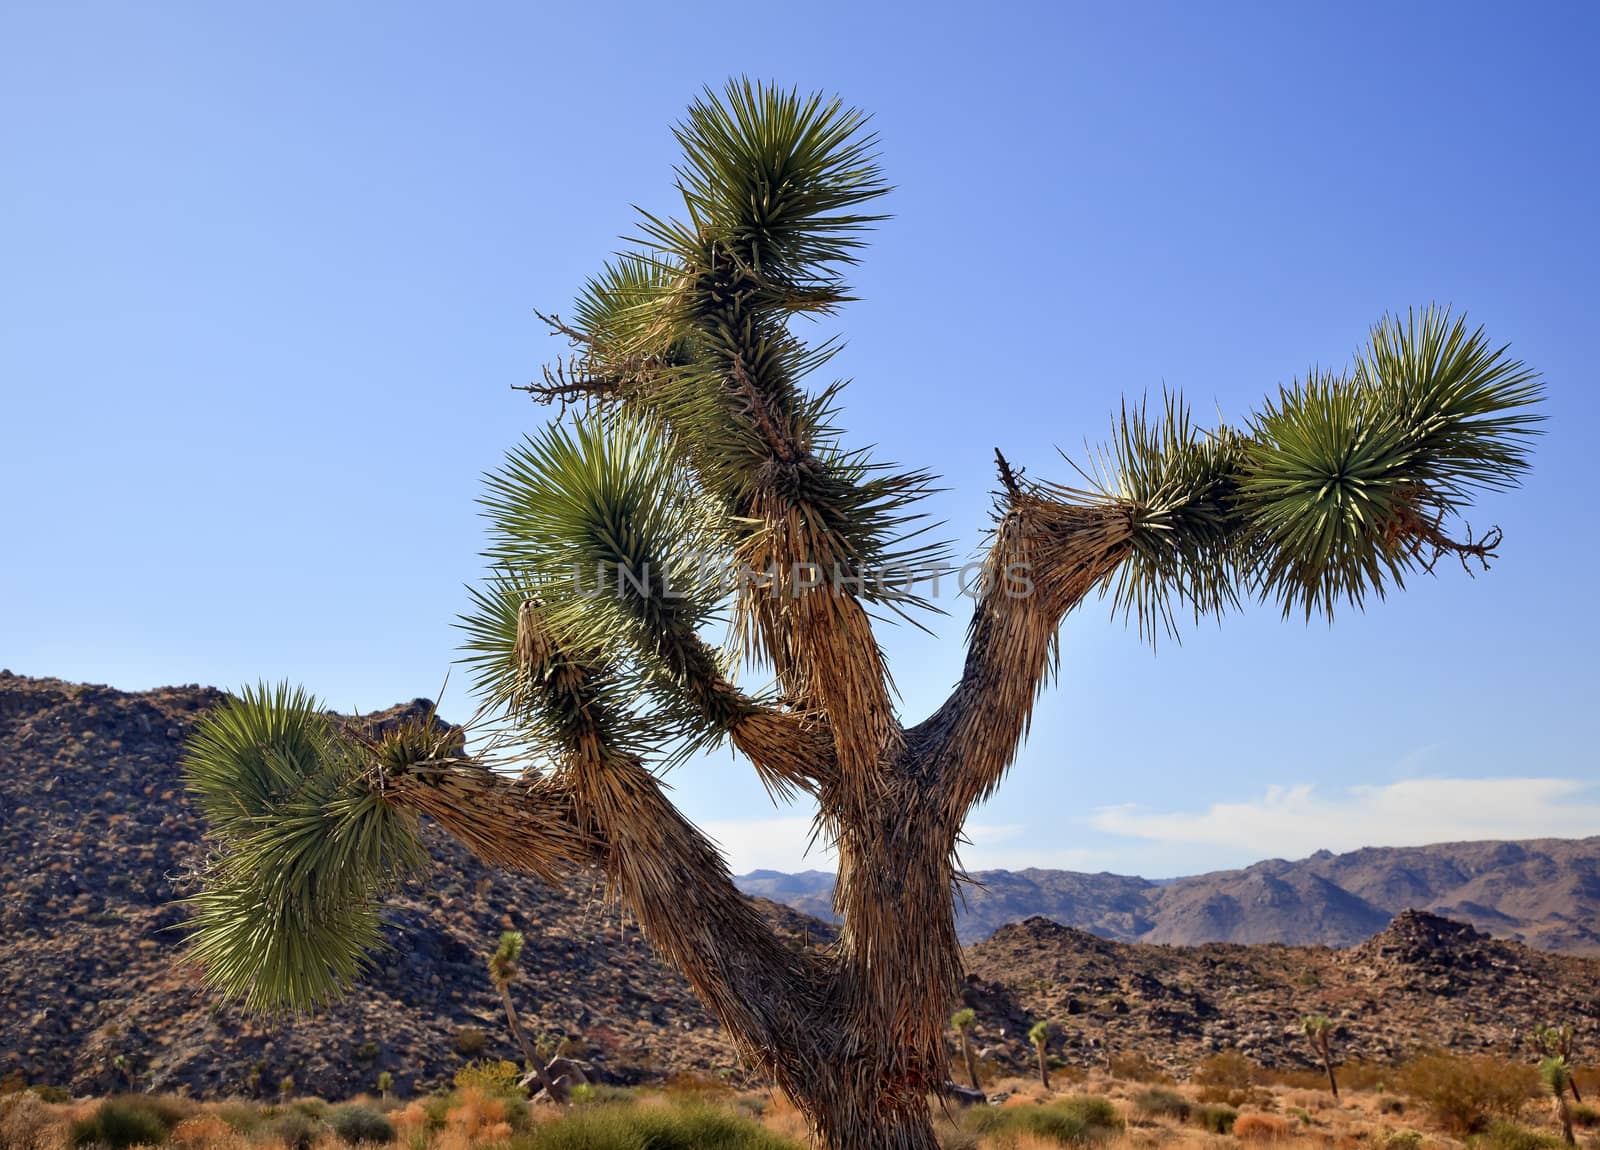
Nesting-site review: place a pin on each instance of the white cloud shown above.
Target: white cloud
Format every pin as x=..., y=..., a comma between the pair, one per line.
x=768, y=844
x=1294, y=821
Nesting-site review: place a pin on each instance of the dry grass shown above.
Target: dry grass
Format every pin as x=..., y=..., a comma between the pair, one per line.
x=1140, y=1116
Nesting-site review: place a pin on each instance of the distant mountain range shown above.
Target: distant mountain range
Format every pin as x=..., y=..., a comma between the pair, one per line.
x=1543, y=892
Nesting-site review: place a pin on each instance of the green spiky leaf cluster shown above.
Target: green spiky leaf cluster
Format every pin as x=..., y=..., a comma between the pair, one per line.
x=1339, y=487
x=1556, y=1074
x=302, y=843
x=504, y=962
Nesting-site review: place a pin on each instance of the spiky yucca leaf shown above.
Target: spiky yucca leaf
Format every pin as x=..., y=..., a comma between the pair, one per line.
x=771, y=178
x=1178, y=484
x=1556, y=1074
x=303, y=843
x=1339, y=487
x=627, y=562
x=1350, y=479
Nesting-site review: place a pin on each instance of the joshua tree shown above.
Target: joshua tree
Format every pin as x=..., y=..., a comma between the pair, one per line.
x=557, y=1076
x=691, y=443
x=1557, y=1077
x=385, y=1084
x=286, y=1086
x=1556, y=1042
x=1039, y=1035
x=962, y=1020
x=1318, y=1028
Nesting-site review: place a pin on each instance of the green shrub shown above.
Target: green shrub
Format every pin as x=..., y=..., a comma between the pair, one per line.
x=296, y=1129
x=1158, y=1103
x=241, y=1116
x=470, y=1042
x=1582, y=1115
x=356, y=1123
x=685, y=1126
x=121, y=1122
x=1504, y=1135
x=1401, y=1140
x=1077, y=1121
x=1464, y=1095
x=55, y=1094
x=492, y=1077
x=1216, y=1117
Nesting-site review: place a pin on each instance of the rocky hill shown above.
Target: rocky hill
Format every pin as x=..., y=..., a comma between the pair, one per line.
x=1545, y=892
x=96, y=834
x=1423, y=981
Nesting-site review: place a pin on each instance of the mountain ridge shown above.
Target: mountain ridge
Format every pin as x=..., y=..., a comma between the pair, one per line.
x=1542, y=892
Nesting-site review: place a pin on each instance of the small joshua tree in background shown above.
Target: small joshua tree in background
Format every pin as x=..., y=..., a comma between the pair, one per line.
x=1039, y=1035
x=503, y=971
x=556, y=1076
x=1557, y=1075
x=1318, y=1027
x=125, y=1068
x=286, y=1087
x=385, y=1084
x=1556, y=1042
x=962, y=1020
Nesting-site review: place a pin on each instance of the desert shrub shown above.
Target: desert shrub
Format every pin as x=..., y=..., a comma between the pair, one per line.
x=201, y=1131
x=1401, y=1140
x=674, y=1126
x=1158, y=1103
x=296, y=1129
x=356, y=1123
x=1464, y=1095
x=26, y=1123
x=1503, y=1135
x=241, y=1117
x=56, y=1094
x=493, y=1076
x=470, y=1042
x=1585, y=1115
x=1229, y=1078
x=1260, y=1128
x=311, y=1107
x=121, y=1122
x=689, y=1084
x=1215, y=1117
x=1228, y=1068
x=1136, y=1066
x=1389, y=1104
x=1079, y=1121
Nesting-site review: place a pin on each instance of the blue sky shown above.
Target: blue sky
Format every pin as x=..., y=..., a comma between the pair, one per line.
x=267, y=278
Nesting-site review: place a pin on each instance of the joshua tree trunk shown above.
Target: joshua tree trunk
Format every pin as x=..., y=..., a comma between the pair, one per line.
x=1327, y=1064
x=529, y=1054
x=704, y=438
x=1564, y=1117
x=972, y=1063
x=1044, y=1066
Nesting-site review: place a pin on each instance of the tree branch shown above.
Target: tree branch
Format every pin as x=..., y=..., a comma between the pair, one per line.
x=607, y=812
x=1046, y=556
